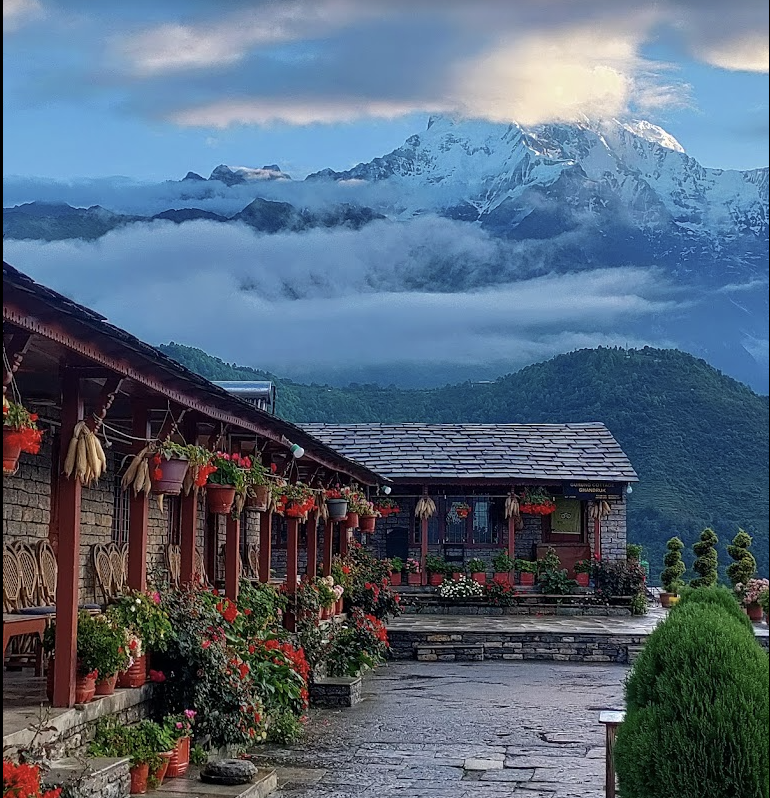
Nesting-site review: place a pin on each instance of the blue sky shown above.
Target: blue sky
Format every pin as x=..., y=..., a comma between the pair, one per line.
x=150, y=90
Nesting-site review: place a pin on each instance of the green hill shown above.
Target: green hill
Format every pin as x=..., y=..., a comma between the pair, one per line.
x=698, y=439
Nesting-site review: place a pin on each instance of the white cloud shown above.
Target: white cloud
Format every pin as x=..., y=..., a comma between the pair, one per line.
x=19, y=12
x=749, y=53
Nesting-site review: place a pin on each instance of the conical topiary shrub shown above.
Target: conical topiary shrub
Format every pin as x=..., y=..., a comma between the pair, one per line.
x=745, y=566
x=697, y=706
x=675, y=568
x=706, y=560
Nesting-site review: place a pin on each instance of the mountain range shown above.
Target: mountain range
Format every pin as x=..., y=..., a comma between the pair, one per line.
x=697, y=438
x=560, y=198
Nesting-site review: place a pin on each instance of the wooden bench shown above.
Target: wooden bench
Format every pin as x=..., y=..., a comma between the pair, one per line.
x=15, y=625
x=610, y=719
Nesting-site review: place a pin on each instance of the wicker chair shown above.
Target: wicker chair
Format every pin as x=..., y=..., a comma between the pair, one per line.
x=173, y=557
x=11, y=580
x=252, y=560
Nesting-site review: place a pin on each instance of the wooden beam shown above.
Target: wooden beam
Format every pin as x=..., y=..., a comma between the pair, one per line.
x=232, y=546
x=512, y=532
x=138, y=505
x=311, y=530
x=68, y=580
x=13, y=355
x=265, y=545
x=104, y=402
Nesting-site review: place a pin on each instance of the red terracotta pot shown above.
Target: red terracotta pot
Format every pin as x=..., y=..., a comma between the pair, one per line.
x=526, y=579
x=136, y=675
x=582, y=579
x=85, y=689
x=339, y=608
x=220, y=498
x=435, y=579
x=107, y=686
x=413, y=579
x=479, y=577
x=139, y=777
x=366, y=523
x=395, y=579
x=456, y=575
x=11, y=454
x=161, y=771
x=502, y=578
x=260, y=498
x=351, y=520
x=754, y=611
x=180, y=759
x=172, y=474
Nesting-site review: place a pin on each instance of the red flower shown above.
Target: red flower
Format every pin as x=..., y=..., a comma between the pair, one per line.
x=33, y=416
x=157, y=473
x=205, y=643
x=273, y=467
x=243, y=669
x=247, y=612
x=157, y=676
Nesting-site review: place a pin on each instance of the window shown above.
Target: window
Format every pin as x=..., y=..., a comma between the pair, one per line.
x=455, y=528
x=484, y=527
x=279, y=532
x=121, y=512
x=174, y=519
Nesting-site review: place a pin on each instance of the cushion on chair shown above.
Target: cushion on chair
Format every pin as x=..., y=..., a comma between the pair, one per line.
x=37, y=611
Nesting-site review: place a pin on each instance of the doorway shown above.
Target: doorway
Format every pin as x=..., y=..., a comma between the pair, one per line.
x=397, y=543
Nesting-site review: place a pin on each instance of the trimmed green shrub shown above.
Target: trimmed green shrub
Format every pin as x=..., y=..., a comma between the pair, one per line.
x=675, y=568
x=706, y=562
x=745, y=566
x=718, y=596
x=697, y=706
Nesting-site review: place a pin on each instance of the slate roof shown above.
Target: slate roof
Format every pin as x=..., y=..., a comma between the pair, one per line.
x=482, y=451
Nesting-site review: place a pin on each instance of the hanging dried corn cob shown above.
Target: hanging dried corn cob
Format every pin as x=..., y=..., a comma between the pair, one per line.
x=425, y=507
x=85, y=458
x=137, y=474
x=512, y=509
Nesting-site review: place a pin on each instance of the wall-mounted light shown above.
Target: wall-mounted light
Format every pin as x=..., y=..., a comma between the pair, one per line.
x=296, y=451
x=386, y=489
x=629, y=490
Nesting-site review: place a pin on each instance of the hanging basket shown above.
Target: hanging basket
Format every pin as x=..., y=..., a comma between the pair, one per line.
x=366, y=523
x=168, y=476
x=351, y=520
x=220, y=498
x=259, y=499
x=338, y=509
x=11, y=451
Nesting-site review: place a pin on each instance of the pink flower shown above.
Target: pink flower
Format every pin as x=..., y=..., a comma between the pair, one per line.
x=156, y=597
x=190, y=713
x=178, y=724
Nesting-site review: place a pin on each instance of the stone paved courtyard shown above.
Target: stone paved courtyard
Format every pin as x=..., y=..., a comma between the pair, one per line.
x=454, y=730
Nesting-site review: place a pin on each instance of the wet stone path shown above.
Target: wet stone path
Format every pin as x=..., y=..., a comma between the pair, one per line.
x=458, y=730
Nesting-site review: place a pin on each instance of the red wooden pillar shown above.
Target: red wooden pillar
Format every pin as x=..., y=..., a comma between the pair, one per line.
x=232, y=546
x=512, y=538
x=312, y=544
x=328, y=547
x=138, y=507
x=423, y=550
x=292, y=535
x=68, y=581
x=265, y=545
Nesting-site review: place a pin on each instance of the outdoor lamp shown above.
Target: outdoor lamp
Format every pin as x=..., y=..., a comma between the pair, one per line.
x=386, y=489
x=629, y=490
x=297, y=451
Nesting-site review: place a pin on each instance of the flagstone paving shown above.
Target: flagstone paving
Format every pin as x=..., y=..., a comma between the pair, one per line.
x=527, y=730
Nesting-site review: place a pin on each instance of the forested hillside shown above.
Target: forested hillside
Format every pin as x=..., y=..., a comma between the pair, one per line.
x=698, y=439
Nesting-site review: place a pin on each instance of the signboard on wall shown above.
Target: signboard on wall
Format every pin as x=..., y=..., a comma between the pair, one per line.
x=592, y=491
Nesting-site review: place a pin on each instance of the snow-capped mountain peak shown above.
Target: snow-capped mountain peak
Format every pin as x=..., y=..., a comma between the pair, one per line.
x=235, y=175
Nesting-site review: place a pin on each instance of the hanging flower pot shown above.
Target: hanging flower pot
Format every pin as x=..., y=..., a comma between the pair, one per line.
x=85, y=688
x=107, y=686
x=11, y=450
x=338, y=509
x=351, y=520
x=136, y=675
x=367, y=523
x=140, y=775
x=220, y=498
x=167, y=476
x=180, y=759
x=258, y=498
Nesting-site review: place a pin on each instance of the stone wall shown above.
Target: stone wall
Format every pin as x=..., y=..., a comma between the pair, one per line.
x=613, y=532
x=27, y=496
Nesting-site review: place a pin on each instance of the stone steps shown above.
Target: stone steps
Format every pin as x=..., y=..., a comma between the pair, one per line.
x=97, y=777
x=191, y=787
x=450, y=652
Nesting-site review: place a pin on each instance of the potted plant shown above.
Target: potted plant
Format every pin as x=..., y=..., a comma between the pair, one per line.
x=463, y=588
x=634, y=552
x=583, y=572
x=477, y=570
x=396, y=566
x=437, y=569
x=23, y=780
x=180, y=728
x=367, y=519
x=526, y=570
x=671, y=578
x=168, y=467
x=535, y=501
x=88, y=654
x=357, y=506
x=336, y=503
x=706, y=563
x=750, y=594
x=295, y=500
x=20, y=434
x=227, y=479
x=112, y=653
x=257, y=479
x=502, y=565
x=461, y=509
x=764, y=599
x=412, y=568
x=386, y=507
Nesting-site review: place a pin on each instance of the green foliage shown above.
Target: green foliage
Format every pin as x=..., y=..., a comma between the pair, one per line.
x=634, y=551
x=94, y=634
x=745, y=566
x=764, y=600
x=396, y=565
x=502, y=563
x=142, y=614
x=550, y=561
x=359, y=644
x=718, y=596
x=284, y=729
x=526, y=566
x=697, y=439
x=639, y=604
x=675, y=567
x=436, y=565
x=556, y=583
x=618, y=578
x=706, y=560
x=142, y=741
x=697, y=707
x=199, y=756
x=476, y=566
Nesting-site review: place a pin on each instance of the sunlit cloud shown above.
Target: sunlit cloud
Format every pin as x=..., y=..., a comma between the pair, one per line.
x=17, y=13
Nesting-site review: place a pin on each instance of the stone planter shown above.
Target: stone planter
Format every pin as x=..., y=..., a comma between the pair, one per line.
x=526, y=579
x=172, y=474
x=220, y=498
x=754, y=611
x=140, y=775
x=479, y=577
x=136, y=675
x=395, y=578
x=413, y=579
x=367, y=523
x=435, y=579
x=338, y=509
x=107, y=686
x=180, y=759
x=11, y=453
x=258, y=499
x=582, y=579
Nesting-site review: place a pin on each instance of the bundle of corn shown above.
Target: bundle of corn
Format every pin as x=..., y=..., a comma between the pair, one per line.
x=425, y=507
x=512, y=509
x=137, y=474
x=599, y=509
x=85, y=456
x=323, y=510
